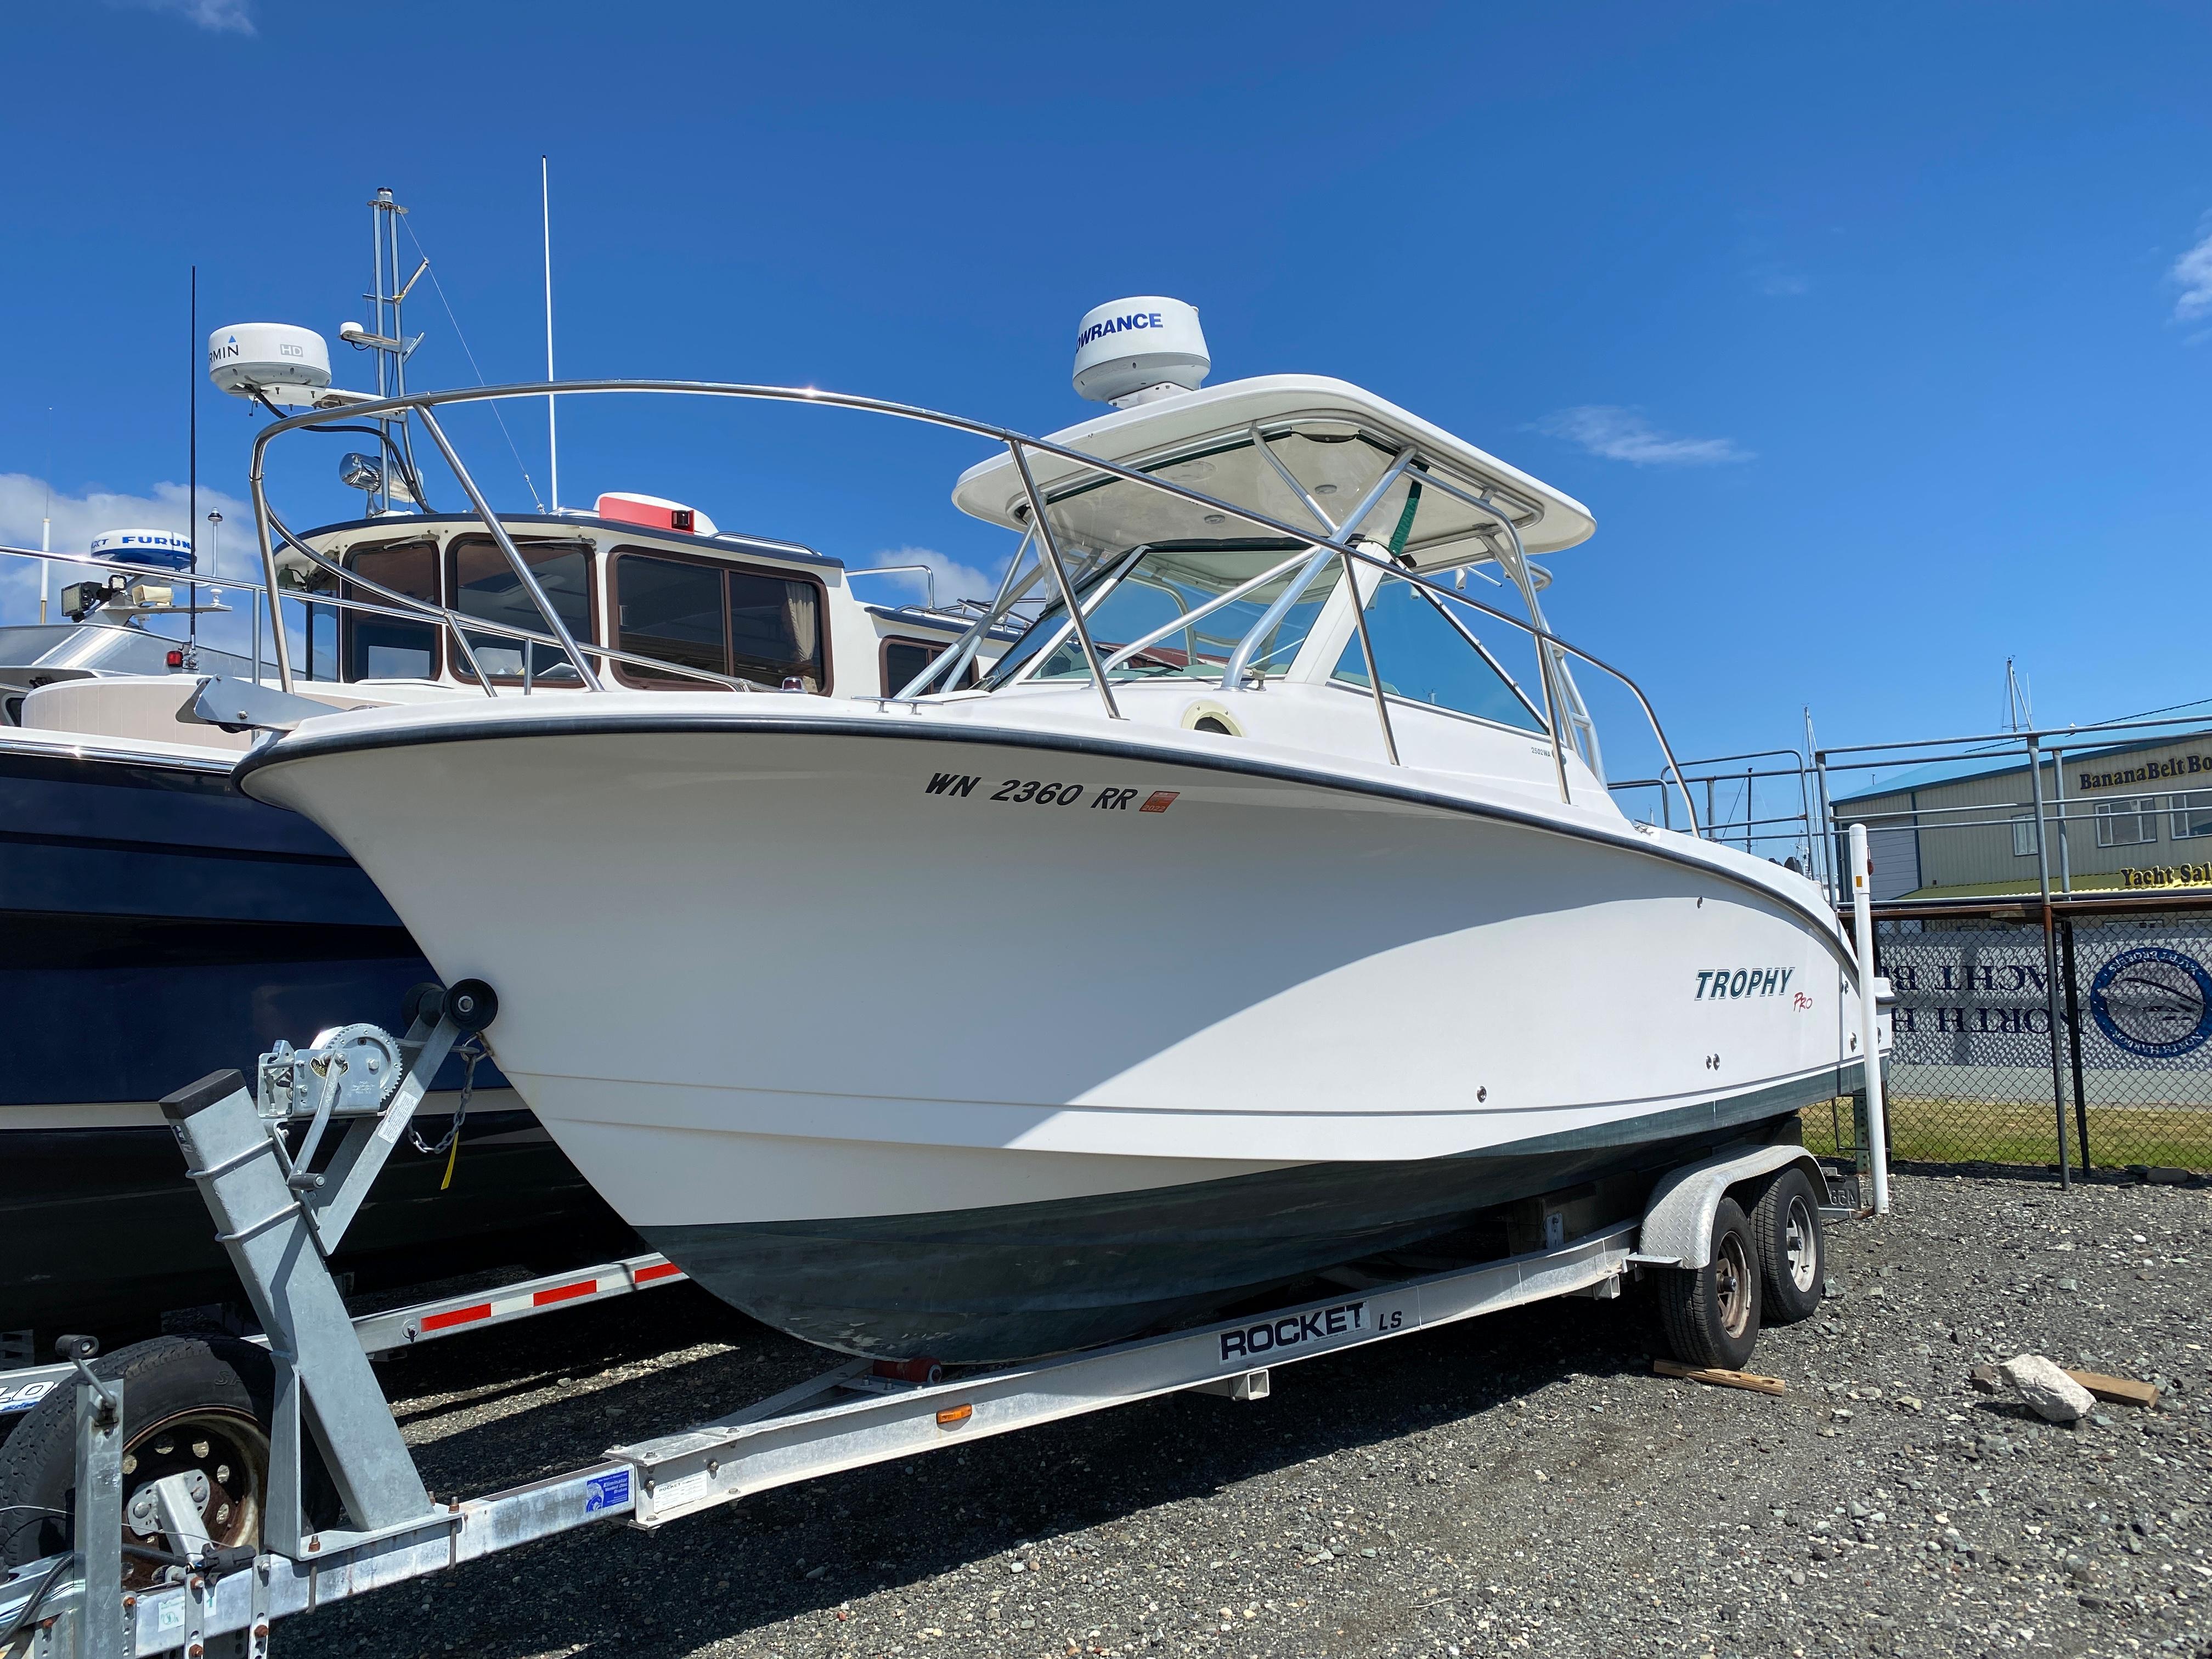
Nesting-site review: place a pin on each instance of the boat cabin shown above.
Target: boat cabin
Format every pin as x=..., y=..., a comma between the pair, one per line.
x=650, y=578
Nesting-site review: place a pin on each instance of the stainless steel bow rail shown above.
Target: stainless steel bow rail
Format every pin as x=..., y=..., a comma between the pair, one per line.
x=1562, y=708
x=277, y=1220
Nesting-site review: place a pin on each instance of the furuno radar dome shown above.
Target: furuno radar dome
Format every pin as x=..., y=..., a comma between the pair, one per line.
x=168, y=548
x=1131, y=351
x=281, y=361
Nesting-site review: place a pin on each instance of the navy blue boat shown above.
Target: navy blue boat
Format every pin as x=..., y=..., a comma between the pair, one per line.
x=157, y=926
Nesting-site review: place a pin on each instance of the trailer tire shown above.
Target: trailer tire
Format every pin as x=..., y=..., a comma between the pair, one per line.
x=1710, y=1313
x=1793, y=1250
x=188, y=1402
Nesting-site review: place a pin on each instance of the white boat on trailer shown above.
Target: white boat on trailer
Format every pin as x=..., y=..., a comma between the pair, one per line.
x=1311, y=942
x=297, y=1489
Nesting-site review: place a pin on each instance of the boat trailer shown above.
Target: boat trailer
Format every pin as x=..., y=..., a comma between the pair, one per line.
x=279, y=1222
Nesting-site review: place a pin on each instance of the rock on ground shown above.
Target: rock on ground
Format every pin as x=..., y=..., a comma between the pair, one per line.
x=2049, y=1393
x=1521, y=1485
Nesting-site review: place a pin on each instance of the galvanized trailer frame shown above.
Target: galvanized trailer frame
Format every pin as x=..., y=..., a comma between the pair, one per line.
x=272, y=1219
x=394, y=1329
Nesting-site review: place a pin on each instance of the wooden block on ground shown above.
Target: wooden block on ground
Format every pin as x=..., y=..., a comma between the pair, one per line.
x=1725, y=1379
x=2122, y=1390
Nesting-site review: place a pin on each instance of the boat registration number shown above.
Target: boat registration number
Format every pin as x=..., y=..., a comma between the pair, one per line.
x=1040, y=791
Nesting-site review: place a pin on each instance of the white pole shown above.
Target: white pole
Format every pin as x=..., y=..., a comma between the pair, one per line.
x=545, y=220
x=1869, y=1018
x=46, y=566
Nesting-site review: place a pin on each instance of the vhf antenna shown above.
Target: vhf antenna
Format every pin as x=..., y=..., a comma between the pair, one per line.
x=546, y=222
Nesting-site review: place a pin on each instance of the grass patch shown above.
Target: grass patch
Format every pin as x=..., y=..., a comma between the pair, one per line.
x=1942, y=1130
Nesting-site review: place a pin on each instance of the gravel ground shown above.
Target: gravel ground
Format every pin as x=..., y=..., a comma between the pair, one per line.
x=1517, y=1484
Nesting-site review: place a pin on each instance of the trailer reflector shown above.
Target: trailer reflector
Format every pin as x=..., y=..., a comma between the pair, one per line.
x=452, y=1316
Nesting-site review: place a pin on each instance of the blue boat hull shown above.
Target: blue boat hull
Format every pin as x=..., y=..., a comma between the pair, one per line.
x=155, y=925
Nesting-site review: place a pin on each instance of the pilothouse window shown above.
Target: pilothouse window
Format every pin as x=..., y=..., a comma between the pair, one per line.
x=484, y=584
x=748, y=623
x=903, y=660
x=374, y=647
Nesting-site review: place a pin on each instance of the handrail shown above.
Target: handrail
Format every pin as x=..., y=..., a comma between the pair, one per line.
x=101, y=562
x=507, y=630
x=1020, y=446
x=952, y=662
x=1050, y=545
x=1339, y=538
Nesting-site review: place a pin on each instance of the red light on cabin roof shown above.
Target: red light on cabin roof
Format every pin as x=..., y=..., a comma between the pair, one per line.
x=647, y=510
x=175, y=660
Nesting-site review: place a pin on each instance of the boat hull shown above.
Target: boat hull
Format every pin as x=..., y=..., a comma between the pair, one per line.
x=1020, y=1279
x=1275, y=1023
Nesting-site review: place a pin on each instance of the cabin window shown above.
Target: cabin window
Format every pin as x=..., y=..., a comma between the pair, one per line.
x=776, y=629
x=2192, y=814
x=2132, y=822
x=484, y=584
x=1424, y=657
x=373, y=647
x=904, y=659
x=751, y=624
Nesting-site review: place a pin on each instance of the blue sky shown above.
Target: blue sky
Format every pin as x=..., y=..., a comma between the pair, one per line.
x=1879, y=339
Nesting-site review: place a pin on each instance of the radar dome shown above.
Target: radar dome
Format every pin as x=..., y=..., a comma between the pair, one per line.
x=1130, y=351
x=168, y=549
x=281, y=361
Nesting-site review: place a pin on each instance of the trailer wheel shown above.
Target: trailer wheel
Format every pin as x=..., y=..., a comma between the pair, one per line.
x=1793, y=1251
x=1711, y=1312
x=190, y=1405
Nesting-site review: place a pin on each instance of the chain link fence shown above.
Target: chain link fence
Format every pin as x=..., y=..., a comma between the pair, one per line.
x=2007, y=1040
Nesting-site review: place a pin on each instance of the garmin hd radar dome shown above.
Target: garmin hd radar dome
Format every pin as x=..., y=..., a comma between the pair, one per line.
x=1131, y=351
x=279, y=361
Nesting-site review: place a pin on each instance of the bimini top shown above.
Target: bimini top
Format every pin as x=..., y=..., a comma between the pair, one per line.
x=1334, y=437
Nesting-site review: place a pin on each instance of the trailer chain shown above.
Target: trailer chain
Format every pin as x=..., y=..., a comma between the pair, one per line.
x=470, y=1053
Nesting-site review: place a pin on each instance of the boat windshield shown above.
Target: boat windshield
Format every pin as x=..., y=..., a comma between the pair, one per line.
x=1154, y=587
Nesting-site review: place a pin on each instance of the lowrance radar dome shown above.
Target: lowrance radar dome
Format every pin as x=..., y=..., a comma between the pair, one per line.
x=1131, y=351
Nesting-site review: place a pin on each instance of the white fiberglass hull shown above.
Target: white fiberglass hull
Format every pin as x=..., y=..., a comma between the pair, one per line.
x=906, y=1063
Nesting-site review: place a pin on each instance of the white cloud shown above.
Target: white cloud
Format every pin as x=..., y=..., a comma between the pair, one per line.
x=2193, y=271
x=1781, y=283
x=1623, y=434
x=77, y=519
x=216, y=16
x=955, y=580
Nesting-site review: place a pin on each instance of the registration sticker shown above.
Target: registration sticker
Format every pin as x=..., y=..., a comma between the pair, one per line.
x=606, y=1491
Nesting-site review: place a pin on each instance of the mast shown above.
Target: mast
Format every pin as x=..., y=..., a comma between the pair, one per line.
x=386, y=295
